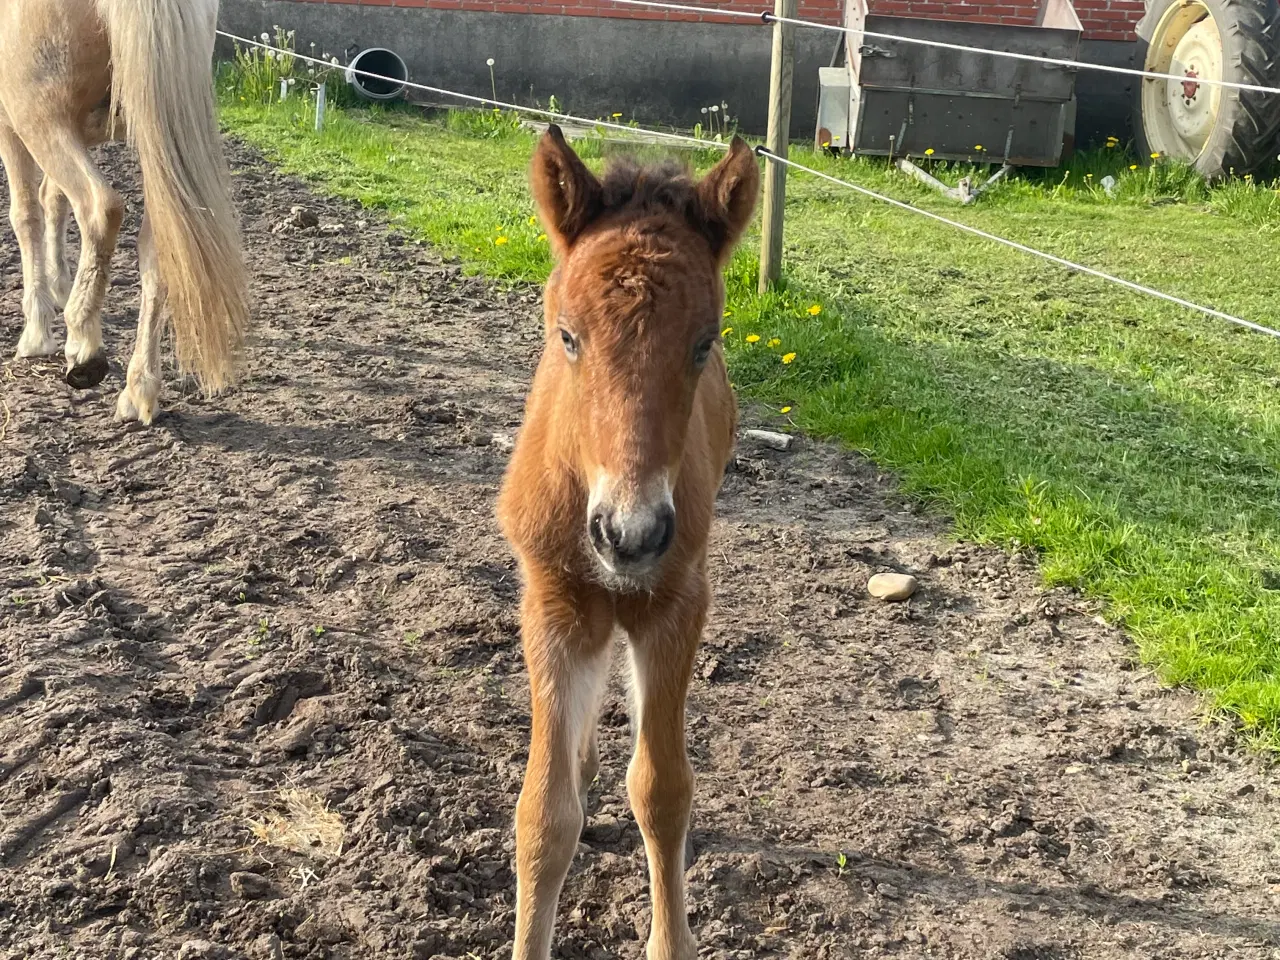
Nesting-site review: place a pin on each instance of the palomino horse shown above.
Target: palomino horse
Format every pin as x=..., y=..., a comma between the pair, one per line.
x=72, y=74
x=608, y=502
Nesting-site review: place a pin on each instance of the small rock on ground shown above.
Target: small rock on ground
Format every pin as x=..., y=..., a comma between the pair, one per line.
x=892, y=586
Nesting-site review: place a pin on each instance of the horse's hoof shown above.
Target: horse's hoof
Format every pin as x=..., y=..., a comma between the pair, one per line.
x=88, y=374
x=31, y=347
x=141, y=409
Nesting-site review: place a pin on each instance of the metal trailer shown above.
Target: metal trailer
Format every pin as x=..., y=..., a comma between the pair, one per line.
x=901, y=100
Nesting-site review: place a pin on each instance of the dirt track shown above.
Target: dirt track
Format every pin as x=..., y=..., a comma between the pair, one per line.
x=300, y=587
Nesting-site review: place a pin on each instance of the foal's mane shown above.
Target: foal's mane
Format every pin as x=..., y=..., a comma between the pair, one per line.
x=666, y=190
x=636, y=190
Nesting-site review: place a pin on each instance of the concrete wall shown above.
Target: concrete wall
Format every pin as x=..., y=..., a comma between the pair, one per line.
x=657, y=71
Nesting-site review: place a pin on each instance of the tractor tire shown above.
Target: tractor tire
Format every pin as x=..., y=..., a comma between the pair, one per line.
x=1222, y=131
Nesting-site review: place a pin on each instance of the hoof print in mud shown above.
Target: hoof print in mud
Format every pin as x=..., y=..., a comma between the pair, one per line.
x=285, y=692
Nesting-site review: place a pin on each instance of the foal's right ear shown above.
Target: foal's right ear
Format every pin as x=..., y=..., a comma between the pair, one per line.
x=567, y=194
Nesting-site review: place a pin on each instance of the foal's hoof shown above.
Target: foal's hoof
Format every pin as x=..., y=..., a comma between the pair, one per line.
x=88, y=374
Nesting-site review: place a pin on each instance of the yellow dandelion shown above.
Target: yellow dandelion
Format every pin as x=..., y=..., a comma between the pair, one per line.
x=500, y=241
x=978, y=147
x=616, y=116
x=826, y=143
x=728, y=313
x=532, y=221
x=929, y=152
x=788, y=357
x=542, y=238
x=726, y=331
x=785, y=410
x=1156, y=155
x=753, y=338
x=815, y=310
x=775, y=342
x=1133, y=166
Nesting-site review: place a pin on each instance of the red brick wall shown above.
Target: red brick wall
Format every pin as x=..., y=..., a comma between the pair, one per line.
x=1102, y=19
x=1109, y=19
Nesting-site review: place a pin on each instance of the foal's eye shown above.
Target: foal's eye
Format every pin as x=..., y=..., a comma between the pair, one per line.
x=702, y=351
x=570, y=344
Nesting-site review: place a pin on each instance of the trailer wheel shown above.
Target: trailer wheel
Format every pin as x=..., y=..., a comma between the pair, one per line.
x=1219, y=129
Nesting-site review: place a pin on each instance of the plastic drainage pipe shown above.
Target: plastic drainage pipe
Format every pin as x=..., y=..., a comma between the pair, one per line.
x=391, y=74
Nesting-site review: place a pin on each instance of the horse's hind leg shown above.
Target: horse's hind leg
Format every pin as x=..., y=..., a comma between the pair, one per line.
x=38, y=305
x=98, y=210
x=137, y=400
x=57, y=210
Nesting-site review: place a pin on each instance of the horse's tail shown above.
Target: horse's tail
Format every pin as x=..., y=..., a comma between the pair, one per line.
x=161, y=51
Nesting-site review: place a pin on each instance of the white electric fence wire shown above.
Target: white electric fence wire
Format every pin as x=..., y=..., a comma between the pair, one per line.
x=768, y=154
x=767, y=17
x=1060, y=261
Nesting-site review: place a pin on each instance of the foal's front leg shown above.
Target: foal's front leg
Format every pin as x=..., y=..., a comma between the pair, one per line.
x=660, y=777
x=566, y=648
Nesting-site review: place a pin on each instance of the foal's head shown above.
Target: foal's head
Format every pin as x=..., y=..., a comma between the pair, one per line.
x=633, y=312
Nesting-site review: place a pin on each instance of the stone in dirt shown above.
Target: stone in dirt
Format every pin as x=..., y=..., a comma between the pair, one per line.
x=300, y=218
x=250, y=886
x=767, y=438
x=892, y=587
x=202, y=950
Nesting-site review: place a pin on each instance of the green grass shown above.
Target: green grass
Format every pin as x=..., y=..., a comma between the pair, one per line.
x=1132, y=444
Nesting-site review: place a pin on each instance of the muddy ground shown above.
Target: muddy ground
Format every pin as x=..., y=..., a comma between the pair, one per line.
x=285, y=619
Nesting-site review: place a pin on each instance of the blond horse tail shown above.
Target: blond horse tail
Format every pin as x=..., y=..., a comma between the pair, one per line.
x=162, y=86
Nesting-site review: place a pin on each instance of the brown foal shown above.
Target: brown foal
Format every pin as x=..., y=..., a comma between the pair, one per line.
x=608, y=502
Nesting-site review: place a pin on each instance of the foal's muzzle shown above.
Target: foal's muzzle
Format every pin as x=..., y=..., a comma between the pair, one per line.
x=631, y=541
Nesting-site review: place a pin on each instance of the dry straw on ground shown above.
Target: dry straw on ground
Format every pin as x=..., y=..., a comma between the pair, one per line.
x=305, y=826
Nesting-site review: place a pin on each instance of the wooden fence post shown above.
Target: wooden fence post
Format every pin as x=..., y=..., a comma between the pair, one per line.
x=775, y=174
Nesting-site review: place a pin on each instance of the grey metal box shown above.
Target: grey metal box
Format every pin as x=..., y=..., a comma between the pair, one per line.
x=907, y=98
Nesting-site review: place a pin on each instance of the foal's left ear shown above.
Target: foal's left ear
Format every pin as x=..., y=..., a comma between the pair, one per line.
x=727, y=198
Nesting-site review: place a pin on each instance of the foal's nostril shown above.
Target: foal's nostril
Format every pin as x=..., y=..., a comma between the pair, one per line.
x=662, y=533
x=596, y=526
